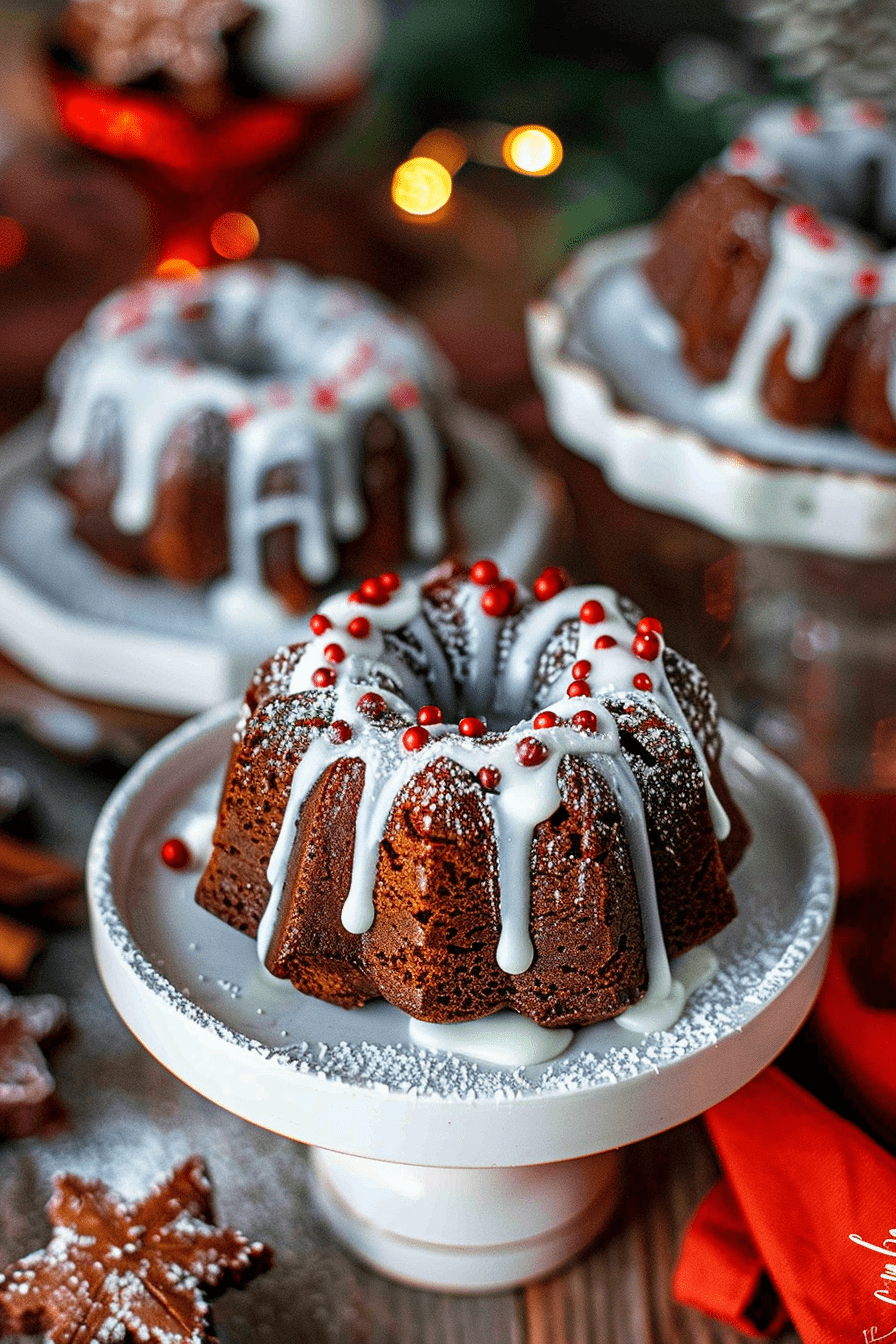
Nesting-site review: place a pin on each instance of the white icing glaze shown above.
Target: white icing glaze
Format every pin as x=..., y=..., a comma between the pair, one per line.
x=526, y=795
x=505, y=1039
x=829, y=156
x=297, y=365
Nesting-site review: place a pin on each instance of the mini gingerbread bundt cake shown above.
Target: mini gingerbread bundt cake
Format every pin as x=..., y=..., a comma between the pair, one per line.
x=777, y=271
x=259, y=424
x=461, y=797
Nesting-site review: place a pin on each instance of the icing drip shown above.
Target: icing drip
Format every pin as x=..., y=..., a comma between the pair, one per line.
x=808, y=291
x=523, y=761
x=296, y=365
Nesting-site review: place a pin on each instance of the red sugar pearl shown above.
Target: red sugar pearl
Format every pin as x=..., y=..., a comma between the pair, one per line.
x=546, y=719
x=648, y=624
x=319, y=623
x=592, y=612
x=489, y=777
x=174, y=853
x=550, y=582
x=744, y=150
x=806, y=120
x=355, y=596
x=605, y=642
x=496, y=601
x=374, y=593
x=359, y=627
x=529, y=751
x=323, y=676
x=390, y=581
x=581, y=670
x=334, y=653
x=414, y=738
x=429, y=714
x=485, y=573
x=471, y=727
x=585, y=721
x=373, y=705
x=642, y=682
x=339, y=731
x=578, y=688
x=802, y=218
x=866, y=282
x=823, y=238
x=646, y=646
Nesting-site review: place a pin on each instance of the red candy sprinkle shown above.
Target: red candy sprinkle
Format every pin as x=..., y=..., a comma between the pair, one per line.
x=585, y=721
x=496, y=601
x=355, y=596
x=429, y=714
x=867, y=282
x=414, y=738
x=359, y=627
x=319, y=623
x=471, y=727
x=743, y=150
x=489, y=777
x=802, y=218
x=241, y=416
x=324, y=398
x=581, y=669
x=646, y=646
x=806, y=120
x=323, y=676
x=605, y=642
x=374, y=593
x=373, y=705
x=485, y=573
x=577, y=688
x=404, y=396
x=334, y=653
x=592, y=613
x=546, y=719
x=339, y=731
x=529, y=751
x=174, y=853
x=869, y=114
x=390, y=581
x=648, y=623
x=550, y=582
x=823, y=238
x=642, y=682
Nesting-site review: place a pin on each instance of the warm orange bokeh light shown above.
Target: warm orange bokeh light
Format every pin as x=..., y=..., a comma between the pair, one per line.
x=176, y=268
x=421, y=186
x=234, y=235
x=533, y=150
x=446, y=147
x=13, y=242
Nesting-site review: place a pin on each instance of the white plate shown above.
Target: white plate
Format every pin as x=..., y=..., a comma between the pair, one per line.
x=192, y=991
x=85, y=629
x=823, y=491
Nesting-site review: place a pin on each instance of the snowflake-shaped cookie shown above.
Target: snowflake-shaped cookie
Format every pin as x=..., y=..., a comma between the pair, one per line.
x=26, y=1084
x=133, y=38
x=120, y=1273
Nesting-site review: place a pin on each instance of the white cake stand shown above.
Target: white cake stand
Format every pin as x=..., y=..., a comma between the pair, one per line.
x=87, y=630
x=828, y=492
x=441, y=1171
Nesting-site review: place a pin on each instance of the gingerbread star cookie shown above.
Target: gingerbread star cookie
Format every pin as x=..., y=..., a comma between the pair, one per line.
x=133, y=1273
x=27, y=1089
x=123, y=40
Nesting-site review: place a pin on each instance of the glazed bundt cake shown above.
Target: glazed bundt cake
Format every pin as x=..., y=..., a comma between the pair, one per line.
x=462, y=797
x=776, y=268
x=258, y=424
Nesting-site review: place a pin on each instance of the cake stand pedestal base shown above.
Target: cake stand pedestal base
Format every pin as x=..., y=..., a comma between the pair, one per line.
x=465, y=1231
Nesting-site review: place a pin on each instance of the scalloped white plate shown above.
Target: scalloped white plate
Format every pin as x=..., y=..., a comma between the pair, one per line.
x=826, y=492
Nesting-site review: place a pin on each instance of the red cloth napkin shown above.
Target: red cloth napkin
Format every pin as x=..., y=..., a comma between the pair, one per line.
x=805, y=1213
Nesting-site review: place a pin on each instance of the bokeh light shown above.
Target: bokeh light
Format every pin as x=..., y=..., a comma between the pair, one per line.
x=13, y=242
x=234, y=235
x=447, y=148
x=177, y=268
x=421, y=186
x=533, y=150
